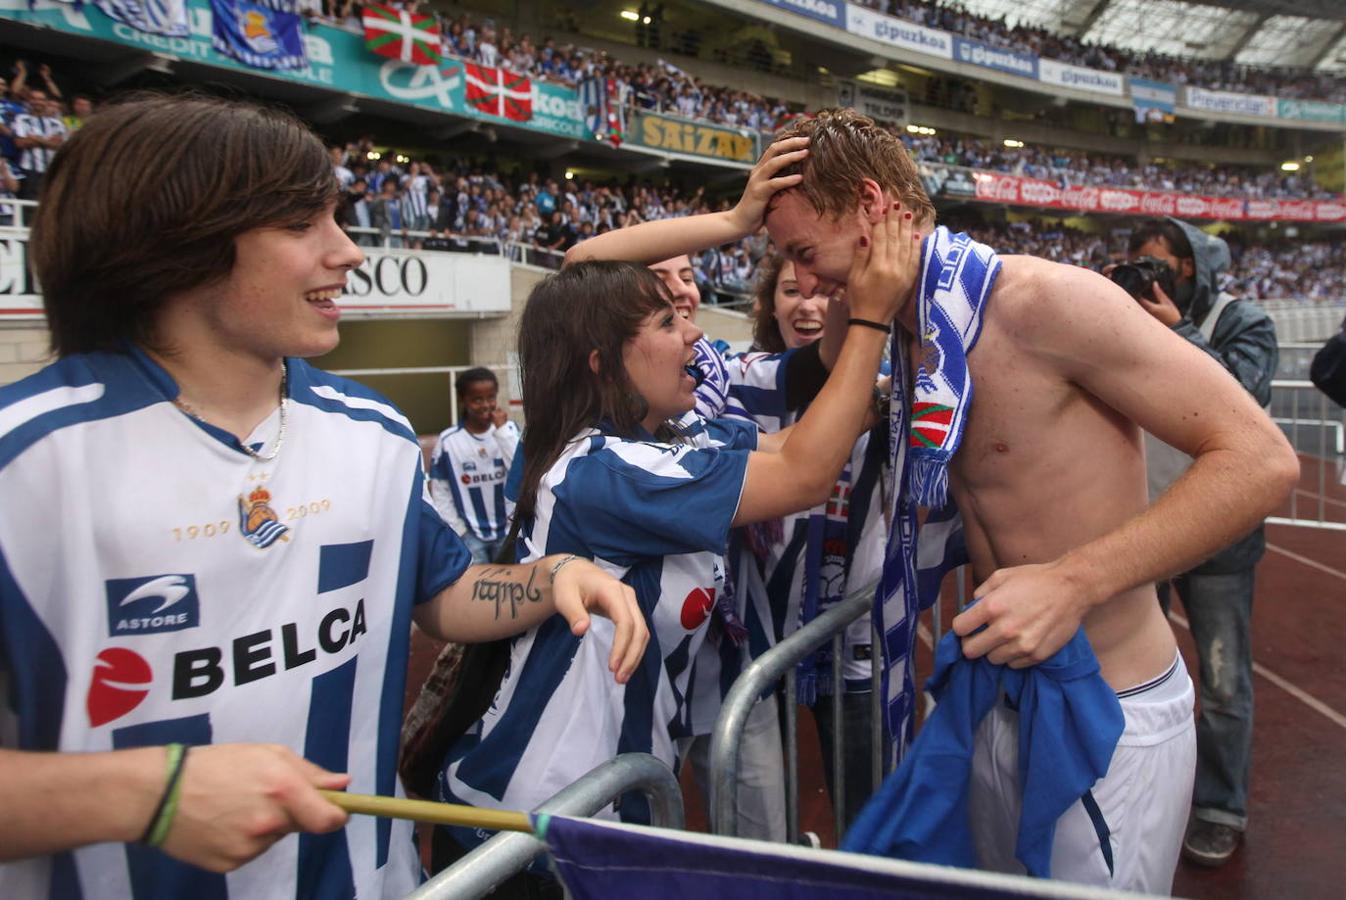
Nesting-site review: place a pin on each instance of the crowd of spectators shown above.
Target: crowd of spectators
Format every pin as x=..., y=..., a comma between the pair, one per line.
x=1216, y=74
x=661, y=88
x=1286, y=269
x=466, y=208
x=533, y=218
x=35, y=119
x=1315, y=270
x=482, y=41
x=1075, y=167
x=665, y=88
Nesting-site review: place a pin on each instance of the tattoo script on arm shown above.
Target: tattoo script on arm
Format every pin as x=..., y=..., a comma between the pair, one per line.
x=495, y=585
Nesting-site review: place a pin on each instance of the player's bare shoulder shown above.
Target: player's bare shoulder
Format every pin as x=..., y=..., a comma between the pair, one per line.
x=1036, y=299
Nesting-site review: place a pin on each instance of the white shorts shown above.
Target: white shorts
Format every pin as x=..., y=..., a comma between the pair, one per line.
x=1138, y=809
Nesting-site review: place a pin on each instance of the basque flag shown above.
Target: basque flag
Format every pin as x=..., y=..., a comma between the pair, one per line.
x=397, y=34
x=930, y=423
x=499, y=93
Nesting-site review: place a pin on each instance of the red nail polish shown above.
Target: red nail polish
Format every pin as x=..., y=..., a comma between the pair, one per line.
x=864, y=242
x=906, y=215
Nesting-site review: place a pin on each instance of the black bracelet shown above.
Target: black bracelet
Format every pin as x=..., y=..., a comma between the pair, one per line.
x=167, y=805
x=870, y=323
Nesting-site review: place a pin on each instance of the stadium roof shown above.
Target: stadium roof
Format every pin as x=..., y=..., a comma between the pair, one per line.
x=1305, y=33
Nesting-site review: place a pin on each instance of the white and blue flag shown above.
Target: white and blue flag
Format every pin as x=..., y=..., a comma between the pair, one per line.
x=263, y=34
x=165, y=17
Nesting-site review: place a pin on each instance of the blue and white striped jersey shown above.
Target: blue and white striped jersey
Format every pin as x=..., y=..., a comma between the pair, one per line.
x=657, y=516
x=757, y=389
x=36, y=159
x=467, y=479
x=158, y=584
x=771, y=596
x=713, y=388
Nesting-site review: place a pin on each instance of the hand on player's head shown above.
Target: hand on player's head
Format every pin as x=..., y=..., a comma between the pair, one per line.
x=765, y=181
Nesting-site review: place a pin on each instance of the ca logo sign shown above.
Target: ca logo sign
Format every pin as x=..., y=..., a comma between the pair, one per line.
x=408, y=82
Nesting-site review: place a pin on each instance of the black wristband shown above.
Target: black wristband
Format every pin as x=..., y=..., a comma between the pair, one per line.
x=177, y=757
x=870, y=323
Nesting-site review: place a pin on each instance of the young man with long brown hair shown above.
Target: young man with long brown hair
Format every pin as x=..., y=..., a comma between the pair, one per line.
x=211, y=552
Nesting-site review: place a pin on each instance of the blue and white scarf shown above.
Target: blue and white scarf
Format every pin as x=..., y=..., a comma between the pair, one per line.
x=827, y=557
x=957, y=275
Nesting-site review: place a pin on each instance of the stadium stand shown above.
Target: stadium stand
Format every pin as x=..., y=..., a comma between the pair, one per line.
x=468, y=184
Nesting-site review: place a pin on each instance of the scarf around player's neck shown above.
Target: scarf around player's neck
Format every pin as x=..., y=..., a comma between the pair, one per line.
x=927, y=415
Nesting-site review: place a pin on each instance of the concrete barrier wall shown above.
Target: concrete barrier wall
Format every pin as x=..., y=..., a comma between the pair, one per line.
x=23, y=350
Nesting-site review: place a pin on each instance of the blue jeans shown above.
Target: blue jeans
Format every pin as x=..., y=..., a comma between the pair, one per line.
x=483, y=551
x=1219, y=608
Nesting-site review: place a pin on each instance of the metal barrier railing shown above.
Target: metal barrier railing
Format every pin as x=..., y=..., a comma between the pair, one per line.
x=1316, y=428
x=467, y=243
x=508, y=853
x=1307, y=321
x=516, y=251
x=763, y=674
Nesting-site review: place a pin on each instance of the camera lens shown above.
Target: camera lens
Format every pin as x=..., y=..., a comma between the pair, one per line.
x=1133, y=279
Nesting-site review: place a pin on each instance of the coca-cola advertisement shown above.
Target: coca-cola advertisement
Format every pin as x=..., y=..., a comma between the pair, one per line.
x=1080, y=197
x=1260, y=209
x=1297, y=210
x=1330, y=211
x=1158, y=203
x=1039, y=193
x=1225, y=207
x=997, y=187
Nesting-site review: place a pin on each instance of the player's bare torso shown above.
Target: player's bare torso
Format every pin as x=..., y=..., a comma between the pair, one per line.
x=1045, y=467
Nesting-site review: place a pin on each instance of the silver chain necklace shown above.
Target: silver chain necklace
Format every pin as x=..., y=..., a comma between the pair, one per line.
x=280, y=435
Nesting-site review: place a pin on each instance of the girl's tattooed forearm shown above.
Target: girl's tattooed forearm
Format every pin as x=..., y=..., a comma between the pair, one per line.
x=495, y=585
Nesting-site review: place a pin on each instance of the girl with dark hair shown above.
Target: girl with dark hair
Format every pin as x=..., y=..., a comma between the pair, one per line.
x=766, y=390
x=820, y=556
x=615, y=469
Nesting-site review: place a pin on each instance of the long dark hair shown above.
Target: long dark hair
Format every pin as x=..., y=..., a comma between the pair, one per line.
x=766, y=334
x=586, y=307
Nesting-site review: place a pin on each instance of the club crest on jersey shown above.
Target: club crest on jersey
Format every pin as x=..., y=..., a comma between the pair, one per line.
x=151, y=605
x=258, y=522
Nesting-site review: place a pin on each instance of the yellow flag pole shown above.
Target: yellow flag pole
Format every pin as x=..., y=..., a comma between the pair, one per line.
x=426, y=811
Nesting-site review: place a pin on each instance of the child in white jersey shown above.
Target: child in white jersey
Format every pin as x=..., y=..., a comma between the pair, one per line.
x=470, y=463
x=208, y=544
x=617, y=469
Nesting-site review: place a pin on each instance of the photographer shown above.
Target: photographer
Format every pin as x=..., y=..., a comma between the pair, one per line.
x=1172, y=273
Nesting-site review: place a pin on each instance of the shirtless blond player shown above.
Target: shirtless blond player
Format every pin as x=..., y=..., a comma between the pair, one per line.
x=1050, y=481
